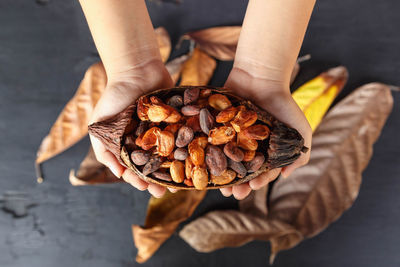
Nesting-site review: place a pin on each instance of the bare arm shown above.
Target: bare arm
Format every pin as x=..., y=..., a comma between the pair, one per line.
x=125, y=38
x=269, y=43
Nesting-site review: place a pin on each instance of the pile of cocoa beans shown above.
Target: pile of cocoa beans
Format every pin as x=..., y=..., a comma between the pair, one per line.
x=197, y=138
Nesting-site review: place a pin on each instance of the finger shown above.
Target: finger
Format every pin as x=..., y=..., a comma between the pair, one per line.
x=172, y=190
x=106, y=157
x=241, y=191
x=130, y=177
x=301, y=161
x=226, y=191
x=156, y=190
x=264, y=179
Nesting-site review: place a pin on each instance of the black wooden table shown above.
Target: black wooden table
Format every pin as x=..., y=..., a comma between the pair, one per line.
x=44, y=52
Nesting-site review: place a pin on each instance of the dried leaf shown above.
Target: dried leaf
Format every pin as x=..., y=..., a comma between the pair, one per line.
x=199, y=69
x=164, y=43
x=175, y=66
x=219, y=42
x=317, y=194
x=315, y=97
x=71, y=124
x=163, y=217
x=256, y=203
x=230, y=228
x=92, y=172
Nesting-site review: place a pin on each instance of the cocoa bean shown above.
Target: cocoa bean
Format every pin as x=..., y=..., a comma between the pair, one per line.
x=190, y=110
x=162, y=176
x=233, y=152
x=177, y=171
x=175, y=101
x=255, y=163
x=191, y=95
x=199, y=177
x=181, y=153
x=238, y=167
x=184, y=137
x=225, y=178
x=142, y=127
x=206, y=120
x=215, y=160
x=140, y=157
x=151, y=166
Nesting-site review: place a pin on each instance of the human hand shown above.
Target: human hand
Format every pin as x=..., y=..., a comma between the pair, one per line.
x=275, y=98
x=121, y=91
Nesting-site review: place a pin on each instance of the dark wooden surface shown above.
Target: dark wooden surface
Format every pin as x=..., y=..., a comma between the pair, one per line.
x=44, y=51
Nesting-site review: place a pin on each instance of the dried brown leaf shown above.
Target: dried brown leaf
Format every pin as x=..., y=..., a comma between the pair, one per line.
x=199, y=69
x=230, y=228
x=163, y=217
x=164, y=43
x=317, y=194
x=175, y=66
x=219, y=42
x=256, y=203
x=92, y=172
x=71, y=124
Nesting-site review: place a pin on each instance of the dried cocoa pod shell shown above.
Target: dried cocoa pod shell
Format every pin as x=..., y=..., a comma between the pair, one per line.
x=283, y=146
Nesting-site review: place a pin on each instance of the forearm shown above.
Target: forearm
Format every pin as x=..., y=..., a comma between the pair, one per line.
x=271, y=37
x=123, y=34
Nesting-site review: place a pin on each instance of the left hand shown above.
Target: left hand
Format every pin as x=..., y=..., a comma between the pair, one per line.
x=275, y=98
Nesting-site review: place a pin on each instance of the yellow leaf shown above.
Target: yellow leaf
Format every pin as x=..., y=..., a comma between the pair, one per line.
x=315, y=97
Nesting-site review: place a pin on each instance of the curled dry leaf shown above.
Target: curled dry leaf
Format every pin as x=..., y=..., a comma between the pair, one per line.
x=219, y=42
x=175, y=66
x=92, y=172
x=198, y=69
x=164, y=43
x=163, y=217
x=230, y=228
x=317, y=194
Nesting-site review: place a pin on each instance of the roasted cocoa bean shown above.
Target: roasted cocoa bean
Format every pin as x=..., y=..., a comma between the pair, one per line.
x=238, y=167
x=142, y=127
x=162, y=176
x=181, y=153
x=193, y=122
x=206, y=120
x=249, y=155
x=233, y=152
x=225, y=178
x=188, y=167
x=190, y=110
x=153, y=165
x=196, y=153
x=215, y=160
x=177, y=171
x=191, y=95
x=255, y=163
x=188, y=182
x=140, y=157
x=199, y=177
x=221, y=135
x=175, y=101
x=184, y=137
x=219, y=102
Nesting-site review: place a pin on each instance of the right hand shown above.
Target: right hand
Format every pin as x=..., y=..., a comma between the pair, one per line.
x=121, y=91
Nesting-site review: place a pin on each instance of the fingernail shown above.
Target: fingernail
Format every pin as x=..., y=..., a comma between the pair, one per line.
x=115, y=171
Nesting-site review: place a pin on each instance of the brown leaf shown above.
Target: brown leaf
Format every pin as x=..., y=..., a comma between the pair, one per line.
x=92, y=172
x=256, y=203
x=317, y=194
x=163, y=217
x=164, y=43
x=175, y=66
x=71, y=124
x=230, y=228
x=199, y=69
x=219, y=42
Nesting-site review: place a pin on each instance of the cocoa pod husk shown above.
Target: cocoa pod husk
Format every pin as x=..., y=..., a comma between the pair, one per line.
x=281, y=148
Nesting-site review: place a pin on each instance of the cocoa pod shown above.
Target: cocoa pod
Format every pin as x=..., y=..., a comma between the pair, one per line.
x=184, y=137
x=190, y=95
x=215, y=160
x=140, y=157
x=255, y=163
x=219, y=102
x=221, y=135
x=162, y=176
x=199, y=177
x=238, y=167
x=232, y=151
x=177, y=171
x=151, y=166
x=181, y=153
x=225, y=178
x=175, y=101
x=206, y=120
x=190, y=110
